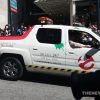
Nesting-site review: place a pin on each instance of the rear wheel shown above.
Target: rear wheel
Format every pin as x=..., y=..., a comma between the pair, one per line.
x=11, y=68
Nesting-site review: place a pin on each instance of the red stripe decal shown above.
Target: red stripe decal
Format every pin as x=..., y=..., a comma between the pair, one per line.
x=16, y=37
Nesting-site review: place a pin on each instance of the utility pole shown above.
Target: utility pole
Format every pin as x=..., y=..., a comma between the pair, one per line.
x=72, y=11
x=9, y=13
x=98, y=13
x=10, y=16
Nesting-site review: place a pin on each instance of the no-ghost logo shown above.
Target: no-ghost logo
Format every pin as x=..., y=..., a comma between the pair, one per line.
x=87, y=63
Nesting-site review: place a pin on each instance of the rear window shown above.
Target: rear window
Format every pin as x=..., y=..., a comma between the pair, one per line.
x=48, y=35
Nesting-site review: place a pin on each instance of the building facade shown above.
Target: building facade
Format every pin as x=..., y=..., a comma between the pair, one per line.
x=3, y=13
x=86, y=12
x=64, y=12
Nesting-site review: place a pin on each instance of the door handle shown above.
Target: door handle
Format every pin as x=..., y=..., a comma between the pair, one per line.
x=71, y=52
x=35, y=49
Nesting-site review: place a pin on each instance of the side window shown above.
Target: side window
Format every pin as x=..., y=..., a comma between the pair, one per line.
x=50, y=36
x=80, y=39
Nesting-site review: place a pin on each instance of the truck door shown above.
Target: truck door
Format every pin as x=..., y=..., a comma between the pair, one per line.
x=82, y=51
x=48, y=47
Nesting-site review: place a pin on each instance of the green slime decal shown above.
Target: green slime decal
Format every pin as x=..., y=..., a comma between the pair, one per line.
x=59, y=46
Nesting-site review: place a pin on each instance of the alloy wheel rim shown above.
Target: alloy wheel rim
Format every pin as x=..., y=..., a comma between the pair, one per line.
x=10, y=69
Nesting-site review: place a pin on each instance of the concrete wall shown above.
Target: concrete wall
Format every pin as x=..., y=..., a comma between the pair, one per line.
x=3, y=13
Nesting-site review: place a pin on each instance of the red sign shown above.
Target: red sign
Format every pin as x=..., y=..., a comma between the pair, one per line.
x=86, y=64
x=13, y=10
x=13, y=6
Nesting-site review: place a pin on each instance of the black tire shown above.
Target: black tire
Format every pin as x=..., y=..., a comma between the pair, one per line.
x=11, y=68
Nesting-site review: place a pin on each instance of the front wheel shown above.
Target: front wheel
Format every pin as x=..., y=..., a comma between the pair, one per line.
x=11, y=68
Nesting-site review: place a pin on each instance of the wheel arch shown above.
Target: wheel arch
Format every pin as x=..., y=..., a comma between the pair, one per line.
x=20, y=57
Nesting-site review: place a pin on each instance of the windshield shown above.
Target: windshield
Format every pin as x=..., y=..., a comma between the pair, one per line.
x=97, y=33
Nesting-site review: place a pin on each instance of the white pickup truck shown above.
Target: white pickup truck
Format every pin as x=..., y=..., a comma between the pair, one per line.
x=47, y=48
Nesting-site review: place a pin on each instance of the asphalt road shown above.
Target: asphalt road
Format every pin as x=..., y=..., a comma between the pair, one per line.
x=37, y=87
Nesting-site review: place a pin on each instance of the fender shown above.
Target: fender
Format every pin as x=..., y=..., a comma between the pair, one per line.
x=23, y=52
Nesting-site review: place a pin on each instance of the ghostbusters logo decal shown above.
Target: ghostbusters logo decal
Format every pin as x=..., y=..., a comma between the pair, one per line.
x=86, y=62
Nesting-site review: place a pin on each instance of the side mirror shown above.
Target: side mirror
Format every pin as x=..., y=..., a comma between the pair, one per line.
x=97, y=45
